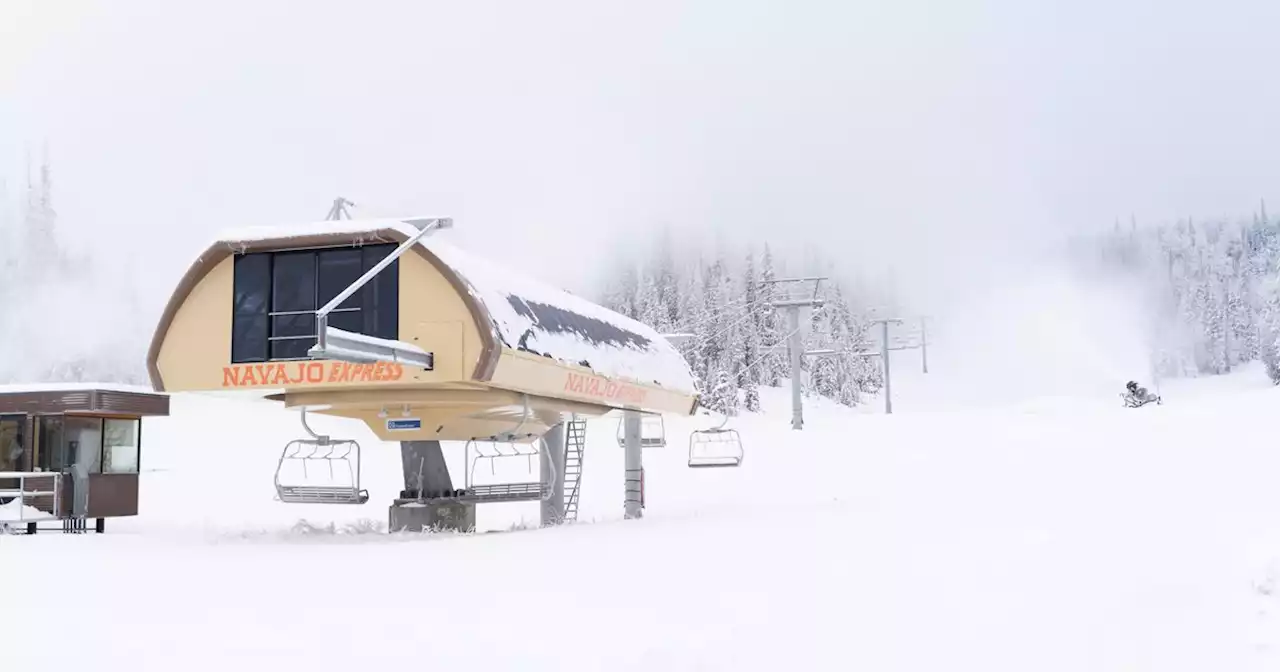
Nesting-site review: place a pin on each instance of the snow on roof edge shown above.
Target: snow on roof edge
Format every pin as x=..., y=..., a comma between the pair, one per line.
x=18, y=388
x=518, y=304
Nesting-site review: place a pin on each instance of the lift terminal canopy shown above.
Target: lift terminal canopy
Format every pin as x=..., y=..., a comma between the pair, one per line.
x=455, y=346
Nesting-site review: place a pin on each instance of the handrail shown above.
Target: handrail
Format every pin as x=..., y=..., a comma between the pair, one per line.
x=322, y=315
x=23, y=496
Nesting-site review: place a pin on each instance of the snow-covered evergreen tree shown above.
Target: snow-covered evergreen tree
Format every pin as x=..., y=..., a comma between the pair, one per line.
x=1269, y=346
x=775, y=366
x=667, y=285
x=648, y=303
x=733, y=325
x=51, y=300
x=623, y=294
x=748, y=339
x=41, y=255
x=1207, y=287
x=714, y=333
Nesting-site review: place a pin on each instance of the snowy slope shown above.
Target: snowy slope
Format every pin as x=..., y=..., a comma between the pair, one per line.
x=1027, y=537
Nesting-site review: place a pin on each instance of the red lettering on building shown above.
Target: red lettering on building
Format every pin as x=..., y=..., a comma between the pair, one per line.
x=294, y=373
x=595, y=386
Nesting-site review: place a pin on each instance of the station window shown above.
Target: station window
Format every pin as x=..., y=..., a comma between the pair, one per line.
x=13, y=442
x=102, y=445
x=277, y=294
x=120, y=446
x=66, y=441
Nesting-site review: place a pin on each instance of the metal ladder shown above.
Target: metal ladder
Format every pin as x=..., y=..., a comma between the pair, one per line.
x=574, y=445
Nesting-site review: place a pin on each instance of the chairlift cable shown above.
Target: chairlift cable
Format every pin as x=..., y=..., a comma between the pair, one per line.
x=704, y=340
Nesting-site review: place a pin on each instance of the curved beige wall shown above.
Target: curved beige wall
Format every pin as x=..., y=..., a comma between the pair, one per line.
x=192, y=351
x=198, y=342
x=195, y=353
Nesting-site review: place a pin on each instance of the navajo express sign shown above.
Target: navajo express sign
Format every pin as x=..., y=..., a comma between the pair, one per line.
x=603, y=388
x=298, y=373
x=313, y=373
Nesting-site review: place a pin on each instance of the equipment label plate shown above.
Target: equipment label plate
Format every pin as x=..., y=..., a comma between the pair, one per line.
x=403, y=424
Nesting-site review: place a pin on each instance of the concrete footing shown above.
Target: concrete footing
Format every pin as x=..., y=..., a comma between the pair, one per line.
x=411, y=515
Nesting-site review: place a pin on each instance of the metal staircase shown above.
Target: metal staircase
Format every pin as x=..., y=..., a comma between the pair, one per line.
x=574, y=445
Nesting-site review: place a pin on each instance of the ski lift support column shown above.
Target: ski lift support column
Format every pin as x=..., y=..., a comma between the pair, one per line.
x=347, y=346
x=885, y=349
x=633, y=461
x=793, y=301
x=884, y=323
x=552, y=510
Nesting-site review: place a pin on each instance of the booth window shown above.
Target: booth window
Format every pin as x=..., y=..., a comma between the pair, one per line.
x=120, y=446
x=102, y=445
x=277, y=294
x=12, y=442
x=66, y=441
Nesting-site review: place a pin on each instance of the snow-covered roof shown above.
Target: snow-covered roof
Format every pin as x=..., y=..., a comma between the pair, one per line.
x=20, y=388
x=526, y=314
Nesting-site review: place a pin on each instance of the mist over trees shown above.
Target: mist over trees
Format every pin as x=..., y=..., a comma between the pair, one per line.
x=1212, y=289
x=1210, y=295
x=67, y=316
x=737, y=341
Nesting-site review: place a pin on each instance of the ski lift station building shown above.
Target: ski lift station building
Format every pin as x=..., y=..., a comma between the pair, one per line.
x=482, y=348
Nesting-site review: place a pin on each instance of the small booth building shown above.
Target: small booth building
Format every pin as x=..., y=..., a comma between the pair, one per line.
x=70, y=453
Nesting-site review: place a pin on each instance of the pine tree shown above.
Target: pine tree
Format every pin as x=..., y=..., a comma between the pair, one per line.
x=749, y=355
x=9, y=244
x=715, y=340
x=691, y=314
x=649, y=308
x=40, y=254
x=751, y=397
x=1241, y=327
x=1269, y=348
x=667, y=282
x=775, y=366
x=1267, y=260
x=750, y=336
x=623, y=294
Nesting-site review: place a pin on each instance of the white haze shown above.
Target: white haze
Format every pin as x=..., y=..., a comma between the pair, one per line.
x=944, y=145
x=1050, y=334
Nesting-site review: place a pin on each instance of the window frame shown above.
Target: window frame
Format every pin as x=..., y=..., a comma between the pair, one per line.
x=376, y=304
x=137, y=447
x=23, y=440
x=43, y=454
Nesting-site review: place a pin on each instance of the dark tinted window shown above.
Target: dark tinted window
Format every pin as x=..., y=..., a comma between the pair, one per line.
x=293, y=282
x=338, y=269
x=53, y=450
x=293, y=304
x=251, y=302
x=277, y=294
x=382, y=295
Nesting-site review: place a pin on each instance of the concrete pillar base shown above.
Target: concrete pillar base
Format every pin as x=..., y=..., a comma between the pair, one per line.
x=411, y=515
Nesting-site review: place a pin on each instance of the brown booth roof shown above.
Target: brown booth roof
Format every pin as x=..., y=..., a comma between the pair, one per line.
x=82, y=398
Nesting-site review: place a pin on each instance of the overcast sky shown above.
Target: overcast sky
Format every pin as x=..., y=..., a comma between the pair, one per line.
x=898, y=132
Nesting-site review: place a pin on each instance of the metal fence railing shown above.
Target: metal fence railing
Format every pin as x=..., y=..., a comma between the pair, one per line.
x=29, y=496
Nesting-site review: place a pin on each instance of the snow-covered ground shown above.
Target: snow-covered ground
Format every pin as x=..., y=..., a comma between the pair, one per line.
x=1051, y=534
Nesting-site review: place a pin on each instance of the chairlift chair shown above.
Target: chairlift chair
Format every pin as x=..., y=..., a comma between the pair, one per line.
x=505, y=492
x=502, y=492
x=653, y=432
x=339, y=458
x=716, y=447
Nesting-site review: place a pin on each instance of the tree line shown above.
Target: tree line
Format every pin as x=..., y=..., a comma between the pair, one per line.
x=1213, y=289
x=735, y=339
x=64, y=318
